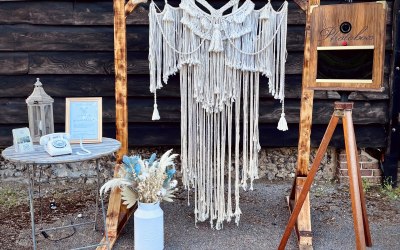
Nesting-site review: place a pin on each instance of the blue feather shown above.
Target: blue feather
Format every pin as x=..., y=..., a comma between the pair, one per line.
x=137, y=168
x=171, y=172
x=127, y=163
x=152, y=159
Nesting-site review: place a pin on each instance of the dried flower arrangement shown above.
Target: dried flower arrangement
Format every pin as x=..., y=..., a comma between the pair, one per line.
x=146, y=181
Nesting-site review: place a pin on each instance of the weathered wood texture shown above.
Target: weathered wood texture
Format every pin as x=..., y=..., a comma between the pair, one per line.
x=141, y=109
x=69, y=45
x=167, y=134
x=91, y=62
x=95, y=85
x=121, y=78
x=93, y=13
x=25, y=37
x=306, y=116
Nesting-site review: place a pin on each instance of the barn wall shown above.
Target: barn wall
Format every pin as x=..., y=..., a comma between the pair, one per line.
x=69, y=46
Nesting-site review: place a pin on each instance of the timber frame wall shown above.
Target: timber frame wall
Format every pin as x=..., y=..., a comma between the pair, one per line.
x=69, y=46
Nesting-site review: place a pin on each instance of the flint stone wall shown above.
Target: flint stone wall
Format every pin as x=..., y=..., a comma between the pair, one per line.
x=274, y=164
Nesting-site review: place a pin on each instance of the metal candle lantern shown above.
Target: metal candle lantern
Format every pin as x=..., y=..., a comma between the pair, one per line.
x=40, y=112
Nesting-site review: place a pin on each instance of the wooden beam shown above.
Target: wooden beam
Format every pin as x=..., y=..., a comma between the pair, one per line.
x=117, y=212
x=131, y=5
x=94, y=13
x=365, y=113
x=14, y=63
x=303, y=225
x=306, y=109
x=95, y=63
x=302, y=4
x=120, y=64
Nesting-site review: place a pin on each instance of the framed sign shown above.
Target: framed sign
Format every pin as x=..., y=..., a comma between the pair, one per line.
x=84, y=119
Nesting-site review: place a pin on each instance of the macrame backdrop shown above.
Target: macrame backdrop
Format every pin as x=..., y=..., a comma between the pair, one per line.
x=220, y=58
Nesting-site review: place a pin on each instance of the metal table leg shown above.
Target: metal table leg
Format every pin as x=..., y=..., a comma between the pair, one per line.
x=97, y=193
x=102, y=203
x=32, y=208
x=31, y=179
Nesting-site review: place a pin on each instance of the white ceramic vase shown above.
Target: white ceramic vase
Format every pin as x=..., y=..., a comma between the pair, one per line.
x=149, y=227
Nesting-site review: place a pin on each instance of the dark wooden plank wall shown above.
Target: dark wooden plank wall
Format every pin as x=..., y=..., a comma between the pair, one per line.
x=69, y=45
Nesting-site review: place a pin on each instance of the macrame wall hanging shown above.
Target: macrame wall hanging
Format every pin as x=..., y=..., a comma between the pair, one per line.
x=220, y=58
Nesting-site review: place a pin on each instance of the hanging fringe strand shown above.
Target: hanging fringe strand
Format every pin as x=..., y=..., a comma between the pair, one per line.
x=220, y=59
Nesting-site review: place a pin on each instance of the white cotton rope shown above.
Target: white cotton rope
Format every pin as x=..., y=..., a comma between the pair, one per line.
x=220, y=59
x=156, y=115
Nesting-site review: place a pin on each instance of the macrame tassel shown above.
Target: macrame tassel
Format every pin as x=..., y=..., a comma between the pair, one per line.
x=216, y=44
x=156, y=115
x=282, y=124
x=168, y=15
x=264, y=15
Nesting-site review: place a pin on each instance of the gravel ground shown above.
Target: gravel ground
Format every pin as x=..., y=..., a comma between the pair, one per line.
x=264, y=218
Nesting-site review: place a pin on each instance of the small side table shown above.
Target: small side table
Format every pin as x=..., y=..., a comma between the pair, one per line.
x=41, y=157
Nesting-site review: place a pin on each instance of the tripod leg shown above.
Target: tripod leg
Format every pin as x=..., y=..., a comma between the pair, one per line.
x=307, y=184
x=367, y=231
x=351, y=153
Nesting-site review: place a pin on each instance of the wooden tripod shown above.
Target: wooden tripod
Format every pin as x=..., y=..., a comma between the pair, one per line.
x=343, y=110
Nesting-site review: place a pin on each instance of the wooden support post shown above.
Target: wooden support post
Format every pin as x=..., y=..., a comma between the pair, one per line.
x=303, y=225
x=117, y=213
x=131, y=5
x=302, y=4
x=121, y=88
x=303, y=222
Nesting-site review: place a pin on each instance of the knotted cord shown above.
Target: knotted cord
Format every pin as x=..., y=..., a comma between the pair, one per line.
x=220, y=59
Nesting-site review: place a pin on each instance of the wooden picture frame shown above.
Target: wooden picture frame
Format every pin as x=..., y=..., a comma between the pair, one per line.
x=347, y=46
x=84, y=119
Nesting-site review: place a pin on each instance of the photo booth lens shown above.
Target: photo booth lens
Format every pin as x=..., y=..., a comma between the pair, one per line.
x=345, y=27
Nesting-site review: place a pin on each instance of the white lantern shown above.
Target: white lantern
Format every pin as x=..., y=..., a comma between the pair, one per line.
x=40, y=112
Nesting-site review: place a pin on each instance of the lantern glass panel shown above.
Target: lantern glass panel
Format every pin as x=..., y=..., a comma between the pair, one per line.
x=36, y=121
x=48, y=128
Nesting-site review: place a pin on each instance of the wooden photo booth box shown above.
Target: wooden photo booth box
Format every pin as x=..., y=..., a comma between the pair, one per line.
x=347, y=46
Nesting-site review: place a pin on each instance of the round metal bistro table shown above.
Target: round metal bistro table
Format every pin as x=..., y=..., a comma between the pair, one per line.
x=40, y=157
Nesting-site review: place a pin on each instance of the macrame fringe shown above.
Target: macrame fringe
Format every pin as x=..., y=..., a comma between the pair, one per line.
x=220, y=59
